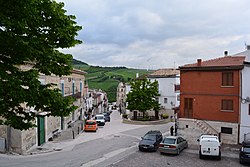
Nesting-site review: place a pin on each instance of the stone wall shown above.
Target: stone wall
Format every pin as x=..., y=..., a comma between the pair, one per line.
x=189, y=129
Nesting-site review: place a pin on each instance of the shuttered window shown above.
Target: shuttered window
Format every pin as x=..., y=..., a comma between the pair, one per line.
x=227, y=105
x=227, y=79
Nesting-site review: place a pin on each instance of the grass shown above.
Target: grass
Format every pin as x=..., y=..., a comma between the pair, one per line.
x=108, y=78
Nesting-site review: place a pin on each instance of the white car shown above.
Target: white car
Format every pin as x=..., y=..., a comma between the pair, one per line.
x=100, y=119
x=209, y=146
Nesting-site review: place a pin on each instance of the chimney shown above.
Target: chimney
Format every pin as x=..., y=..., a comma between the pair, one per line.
x=198, y=62
x=225, y=53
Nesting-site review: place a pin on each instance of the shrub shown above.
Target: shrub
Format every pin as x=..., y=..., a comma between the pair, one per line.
x=125, y=116
x=165, y=116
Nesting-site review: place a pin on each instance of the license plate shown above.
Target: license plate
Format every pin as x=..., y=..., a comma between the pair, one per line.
x=206, y=151
x=166, y=146
x=145, y=147
x=90, y=126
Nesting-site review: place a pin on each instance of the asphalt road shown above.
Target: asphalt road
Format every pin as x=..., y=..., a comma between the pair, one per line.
x=116, y=144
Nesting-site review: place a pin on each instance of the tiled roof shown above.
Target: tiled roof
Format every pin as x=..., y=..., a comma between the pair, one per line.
x=219, y=62
x=167, y=72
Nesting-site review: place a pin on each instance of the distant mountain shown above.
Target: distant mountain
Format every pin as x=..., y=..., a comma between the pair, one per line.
x=78, y=62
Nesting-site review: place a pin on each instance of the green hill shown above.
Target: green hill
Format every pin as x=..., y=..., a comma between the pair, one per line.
x=108, y=78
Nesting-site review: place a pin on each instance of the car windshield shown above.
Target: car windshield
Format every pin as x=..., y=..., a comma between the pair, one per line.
x=99, y=117
x=149, y=137
x=246, y=149
x=90, y=123
x=169, y=141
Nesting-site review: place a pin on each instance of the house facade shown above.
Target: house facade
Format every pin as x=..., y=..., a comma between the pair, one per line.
x=210, y=95
x=245, y=97
x=168, y=87
x=21, y=141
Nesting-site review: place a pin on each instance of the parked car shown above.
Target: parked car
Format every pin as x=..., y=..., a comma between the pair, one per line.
x=150, y=141
x=100, y=119
x=90, y=125
x=173, y=145
x=245, y=152
x=106, y=117
x=209, y=146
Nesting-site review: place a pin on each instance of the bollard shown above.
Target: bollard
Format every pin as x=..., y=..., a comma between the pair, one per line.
x=73, y=133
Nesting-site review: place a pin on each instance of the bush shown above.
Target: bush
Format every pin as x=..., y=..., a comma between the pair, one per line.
x=125, y=116
x=165, y=116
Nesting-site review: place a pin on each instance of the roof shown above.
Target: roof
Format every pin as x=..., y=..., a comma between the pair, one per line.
x=244, y=53
x=164, y=73
x=234, y=62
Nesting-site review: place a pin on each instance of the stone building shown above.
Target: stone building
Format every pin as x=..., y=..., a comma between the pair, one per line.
x=47, y=127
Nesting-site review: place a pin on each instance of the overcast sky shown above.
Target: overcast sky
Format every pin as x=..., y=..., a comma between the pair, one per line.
x=158, y=33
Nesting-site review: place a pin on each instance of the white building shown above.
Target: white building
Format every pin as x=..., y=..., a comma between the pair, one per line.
x=245, y=96
x=168, y=86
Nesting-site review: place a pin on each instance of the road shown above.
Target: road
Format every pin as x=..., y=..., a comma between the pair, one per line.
x=116, y=144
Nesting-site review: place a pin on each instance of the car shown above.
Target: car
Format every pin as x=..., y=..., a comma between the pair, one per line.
x=244, y=154
x=90, y=125
x=100, y=119
x=106, y=117
x=150, y=141
x=173, y=145
x=209, y=146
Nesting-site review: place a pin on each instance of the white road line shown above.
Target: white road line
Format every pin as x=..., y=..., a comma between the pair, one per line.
x=107, y=156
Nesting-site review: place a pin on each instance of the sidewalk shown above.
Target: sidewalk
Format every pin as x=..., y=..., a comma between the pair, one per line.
x=63, y=140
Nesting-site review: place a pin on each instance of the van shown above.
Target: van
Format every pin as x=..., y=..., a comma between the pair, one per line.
x=209, y=146
x=100, y=119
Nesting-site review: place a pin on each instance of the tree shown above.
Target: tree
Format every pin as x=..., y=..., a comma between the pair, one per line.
x=32, y=31
x=142, y=96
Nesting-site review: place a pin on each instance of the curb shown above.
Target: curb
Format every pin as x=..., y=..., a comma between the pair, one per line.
x=162, y=121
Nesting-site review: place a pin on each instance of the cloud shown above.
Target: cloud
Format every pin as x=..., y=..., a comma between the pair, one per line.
x=158, y=34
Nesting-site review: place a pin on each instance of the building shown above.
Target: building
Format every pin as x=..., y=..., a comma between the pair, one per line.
x=210, y=96
x=47, y=127
x=121, y=97
x=245, y=97
x=168, y=86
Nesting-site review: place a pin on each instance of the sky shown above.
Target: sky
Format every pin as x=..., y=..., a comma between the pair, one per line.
x=154, y=34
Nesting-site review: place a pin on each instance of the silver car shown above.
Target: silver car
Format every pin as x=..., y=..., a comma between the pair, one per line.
x=173, y=145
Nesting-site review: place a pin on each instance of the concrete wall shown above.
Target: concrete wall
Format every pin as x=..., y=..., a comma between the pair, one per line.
x=190, y=129
x=245, y=107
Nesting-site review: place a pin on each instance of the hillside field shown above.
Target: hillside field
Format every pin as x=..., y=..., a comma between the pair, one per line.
x=108, y=78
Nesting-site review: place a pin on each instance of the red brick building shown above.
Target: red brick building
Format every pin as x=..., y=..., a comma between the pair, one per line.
x=210, y=91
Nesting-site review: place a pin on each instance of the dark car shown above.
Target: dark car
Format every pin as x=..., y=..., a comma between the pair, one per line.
x=150, y=141
x=245, y=152
x=106, y=117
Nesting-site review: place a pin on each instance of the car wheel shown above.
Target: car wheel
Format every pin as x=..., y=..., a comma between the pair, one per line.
x=219, y=157
x=241, y=162
x=178, y=151
x=200, y=155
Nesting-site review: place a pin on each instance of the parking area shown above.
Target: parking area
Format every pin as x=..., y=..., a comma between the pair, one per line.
x=187, y=158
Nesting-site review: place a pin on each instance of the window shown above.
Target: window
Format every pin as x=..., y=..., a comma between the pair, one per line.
x=226, y=130
x=227, y=78
x=248, y=109
x=227, y=105
x=165, y=100
x=176, y=88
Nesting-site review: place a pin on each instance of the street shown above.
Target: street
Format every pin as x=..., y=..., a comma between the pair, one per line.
x=115, y=144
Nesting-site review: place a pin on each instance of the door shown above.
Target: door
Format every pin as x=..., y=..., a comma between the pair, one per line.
x=188, y=107
x=41, y=130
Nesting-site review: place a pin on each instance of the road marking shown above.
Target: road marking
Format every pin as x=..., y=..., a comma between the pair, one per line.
x=107, y=156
